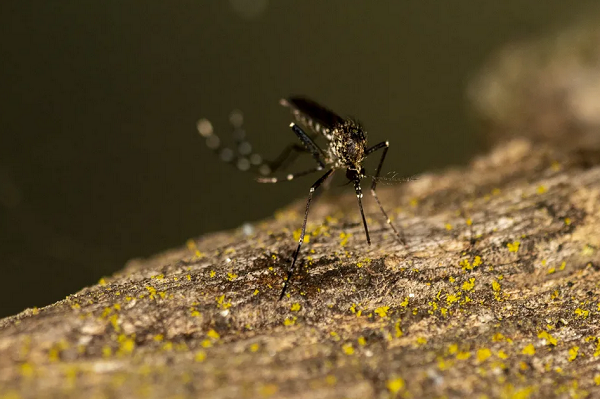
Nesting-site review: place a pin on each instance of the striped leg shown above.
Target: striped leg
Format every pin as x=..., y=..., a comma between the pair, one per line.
x=241, y=156
x=385, y=145
x=310, y=195
x=289, y=177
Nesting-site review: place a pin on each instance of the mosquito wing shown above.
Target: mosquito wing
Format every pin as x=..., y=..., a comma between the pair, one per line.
x=312, y=115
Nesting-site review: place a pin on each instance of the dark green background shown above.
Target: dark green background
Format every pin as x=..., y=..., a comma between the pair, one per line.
x=99, y=157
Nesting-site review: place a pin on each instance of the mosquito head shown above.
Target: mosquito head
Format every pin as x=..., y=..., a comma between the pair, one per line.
x=355, y=174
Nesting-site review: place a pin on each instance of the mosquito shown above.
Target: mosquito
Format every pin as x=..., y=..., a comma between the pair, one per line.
x=346, y=148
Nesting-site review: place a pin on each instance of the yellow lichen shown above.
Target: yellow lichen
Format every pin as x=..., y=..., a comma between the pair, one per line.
x=290, y=321
x=344, y=238
x=268, y=390
x=231, y=276
x=348, y=349
x=126, y=345
x=523, y=366
x=452, y=349
x=399, y=332
x=483, y=354
x=573, y=353
x=451, y=298
x=221, y=303
x=465, y=264
x=444, y=364
x=498, y=337
x=382, y=311
x=213, y=334
x=528, y=350
x=26, y=370
x=588, y=250
x=295, y=307
x=548, y=337
x=395, y=385
x=200, y=356
x=513, y=246
x=469, y=285
x=152, y=291
x=353, y=309
x=582, y=313
x=114, y=321
x=106, y=351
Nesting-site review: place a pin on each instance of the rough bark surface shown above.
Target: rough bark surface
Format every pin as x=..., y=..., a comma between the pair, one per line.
x=494, y=295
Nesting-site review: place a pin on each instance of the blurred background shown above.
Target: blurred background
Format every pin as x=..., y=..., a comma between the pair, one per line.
x=100, y=160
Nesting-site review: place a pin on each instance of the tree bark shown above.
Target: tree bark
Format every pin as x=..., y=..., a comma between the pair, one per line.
x=495, y=293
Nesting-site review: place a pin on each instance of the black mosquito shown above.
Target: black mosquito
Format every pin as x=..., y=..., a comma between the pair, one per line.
x=346, y=148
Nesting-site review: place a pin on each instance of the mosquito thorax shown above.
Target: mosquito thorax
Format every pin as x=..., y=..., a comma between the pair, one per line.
x=348, y=144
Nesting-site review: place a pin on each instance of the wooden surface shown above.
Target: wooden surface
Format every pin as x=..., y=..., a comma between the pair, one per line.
x=496, y=293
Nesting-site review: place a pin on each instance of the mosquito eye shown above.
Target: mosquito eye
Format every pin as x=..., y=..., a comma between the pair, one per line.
x=351, y=174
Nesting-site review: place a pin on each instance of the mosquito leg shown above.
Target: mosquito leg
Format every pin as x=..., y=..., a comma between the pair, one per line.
x=241, y=156
x=291, y=152
x=289, y=177
x=310, y=194
x=385, y=145
x=359, y=196
x=287, y=156
x=309, y=144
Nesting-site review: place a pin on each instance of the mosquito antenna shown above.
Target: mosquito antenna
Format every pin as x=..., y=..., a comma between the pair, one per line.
x=392, y=179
